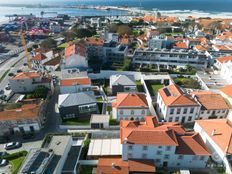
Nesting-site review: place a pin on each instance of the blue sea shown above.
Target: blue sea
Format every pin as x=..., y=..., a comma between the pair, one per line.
x=208, y=7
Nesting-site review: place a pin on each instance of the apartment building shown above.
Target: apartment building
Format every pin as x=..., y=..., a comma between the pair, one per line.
x=25, y=82
x=130, y=106
x=94, y=48
x=167, y=59
x=174, y=105
x=212, y=104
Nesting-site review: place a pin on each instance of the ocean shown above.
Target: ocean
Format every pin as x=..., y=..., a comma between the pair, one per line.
x=204, y=8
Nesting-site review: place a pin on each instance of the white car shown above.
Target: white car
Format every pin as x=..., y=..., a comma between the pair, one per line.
x=3, y=162
x=12, y=145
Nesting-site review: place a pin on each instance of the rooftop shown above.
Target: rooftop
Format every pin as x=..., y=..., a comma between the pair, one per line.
x=77, y=81
x=227, y=90
x=224, y=59
x=26, y=75
x=95, y=118
x=39, y=57
x=122, y=80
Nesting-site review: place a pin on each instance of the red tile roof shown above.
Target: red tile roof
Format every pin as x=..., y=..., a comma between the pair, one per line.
x=94, y=41
x=181, y=45
x=205, y=98
x=118, y=166
x=39, y=57
x=130, y=100
x=26, y=75
x=153, y=132
x=172, y=95
x=227, y=90
x=72, y=82
x=222, y=135
x=224, y=59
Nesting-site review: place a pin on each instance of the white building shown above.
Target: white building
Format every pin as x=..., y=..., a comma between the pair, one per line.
x=75, y=85
x=212, y=104
x=224, y=65
x=157, y=43
x=130, y=106
x=168, y=144
x=25, y=82
x=217, y=135
x=165, y=59
x=226, y=92
x=173, y=105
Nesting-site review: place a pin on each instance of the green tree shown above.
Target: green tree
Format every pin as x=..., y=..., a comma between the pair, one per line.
x=48, y=44
x=124, y=29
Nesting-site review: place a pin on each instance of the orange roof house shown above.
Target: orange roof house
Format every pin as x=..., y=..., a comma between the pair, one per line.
x=72, y=82
x=224, y=59
x=94, y=41
x=172, y=95
x=26, y=75
x=39, y=57
x=130, y=100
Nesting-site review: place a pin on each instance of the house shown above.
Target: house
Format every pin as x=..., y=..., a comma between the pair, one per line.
x=28, y=118
x=77, y=105
x=122, y=83
x=130, y=106
x=74, y=61
x=99, y=121
x=25, y=82
x=52, y=64
x=224, y=66
x=75, y=85
x=226, y=92
x=174, y=105
x=166, y=143
x=37, y=61
x=217, y=134
x=211, y=110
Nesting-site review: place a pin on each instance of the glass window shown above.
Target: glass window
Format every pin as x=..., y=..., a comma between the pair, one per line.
x=121, y=112
x=168, y=148
x=180, y=157
x=189, y=118
x=170, y=119
x=185, y=110
x=191, y=110
x=130, y=147
x=159, y=152
x=177, y=119
x=166, y=156
x=132, y=112
x=144, y=147
x=144, y=156
x=171, y=111
x=129, y=155
x=143, y=111
x=178, y=110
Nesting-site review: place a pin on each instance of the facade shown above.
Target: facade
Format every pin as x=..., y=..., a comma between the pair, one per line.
x=39, y=58
x=99, y=121
x=29, y=118
x=122, y=83
x=211, y=110
x=157, y=43
x=217, y=134
x=166, y=143
x=224, y=66
x=77, y=105
x=166, y=59
x=26, y=82
x=76, y=85
x=130, y=106
x=94, y=48
x=173, y=105
x=74, y=61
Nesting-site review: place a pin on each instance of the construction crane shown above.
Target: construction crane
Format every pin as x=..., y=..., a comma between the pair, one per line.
x=24, y=44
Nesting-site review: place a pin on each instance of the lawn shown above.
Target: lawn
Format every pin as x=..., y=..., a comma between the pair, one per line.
x=187, y=82
x=109, y=108
x=64, y=45
x=113, y=122
x=84, y=169
x=156, y=87
x=153, y=87
x=16, y=164
x=75, y=121
x=139, y=86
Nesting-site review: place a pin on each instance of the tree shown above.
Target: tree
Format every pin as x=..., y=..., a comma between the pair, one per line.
x=69, y=36
x=48, y=44
x=124, y=29
x=83, y=32
x=113, y=28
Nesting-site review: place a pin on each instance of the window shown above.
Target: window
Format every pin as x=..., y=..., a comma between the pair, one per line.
x=223, y=111
x=121, y=112
x=129, y=155
x=171, y=111
x=130, y=147
x=160, y=147
x=170, y=119
x=180, y=157
x=189, y=118
x=143, y=111
x=166, y=156
x=132, y=112
x=178, y=110
x=144, y=156
x=191, y=110
x=168, y=148
x=208, y=112
x=218, y=111
x=185, y=110
x=202, y=158
x=144, y=147
x=159, y=152
x=177, y=119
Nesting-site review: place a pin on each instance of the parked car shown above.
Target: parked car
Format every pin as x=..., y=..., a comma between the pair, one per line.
x=2, y=154
x=19, y=71
x=1, y=91
x=3, y=162
x=12, y=145
x=11, y=74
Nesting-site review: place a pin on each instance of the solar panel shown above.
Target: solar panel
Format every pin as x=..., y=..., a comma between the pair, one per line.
x=32, y=160
x=167, y=92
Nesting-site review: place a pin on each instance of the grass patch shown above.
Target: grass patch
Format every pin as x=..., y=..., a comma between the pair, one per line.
x=156, y=87
x=153, y=87
x=109, y=108
x=16, y=164
x=113, y=121
x=75, y=121
x=4, y=75
x=139, y=86
x=187, y=82
x=86, y=169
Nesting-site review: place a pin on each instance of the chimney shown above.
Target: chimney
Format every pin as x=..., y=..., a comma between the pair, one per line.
x=125, y=140
x=213, y=132
x=113, y=165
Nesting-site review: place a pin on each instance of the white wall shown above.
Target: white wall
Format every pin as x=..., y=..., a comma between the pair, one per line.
x=74, y=89
x=126, y=114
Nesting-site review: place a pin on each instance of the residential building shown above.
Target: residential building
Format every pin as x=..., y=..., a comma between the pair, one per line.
x=28, y=118
x=26, y=82
x=224, y=66
x=122, y=83
x=77, y=105
x=74, y=61
x=130, y=106
x=212, y=104
x=217, y=134
x=166, y=143
x=75, y=85
x=53, y=64
x=174, y=105
x=157, y=43
x=167, y=59
x=94, y=48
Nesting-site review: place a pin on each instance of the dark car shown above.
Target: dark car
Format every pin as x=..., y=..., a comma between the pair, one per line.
x=12, y=145
x=2, y=154
x=19, y=71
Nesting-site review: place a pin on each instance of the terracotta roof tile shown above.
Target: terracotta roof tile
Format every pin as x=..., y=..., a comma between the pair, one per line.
x=94, y=41
x=130, y=100
x=181, y=45
x=227, y=90
x=39, y=57
x=26, y=75
x=72, y=82
x=224, y=59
